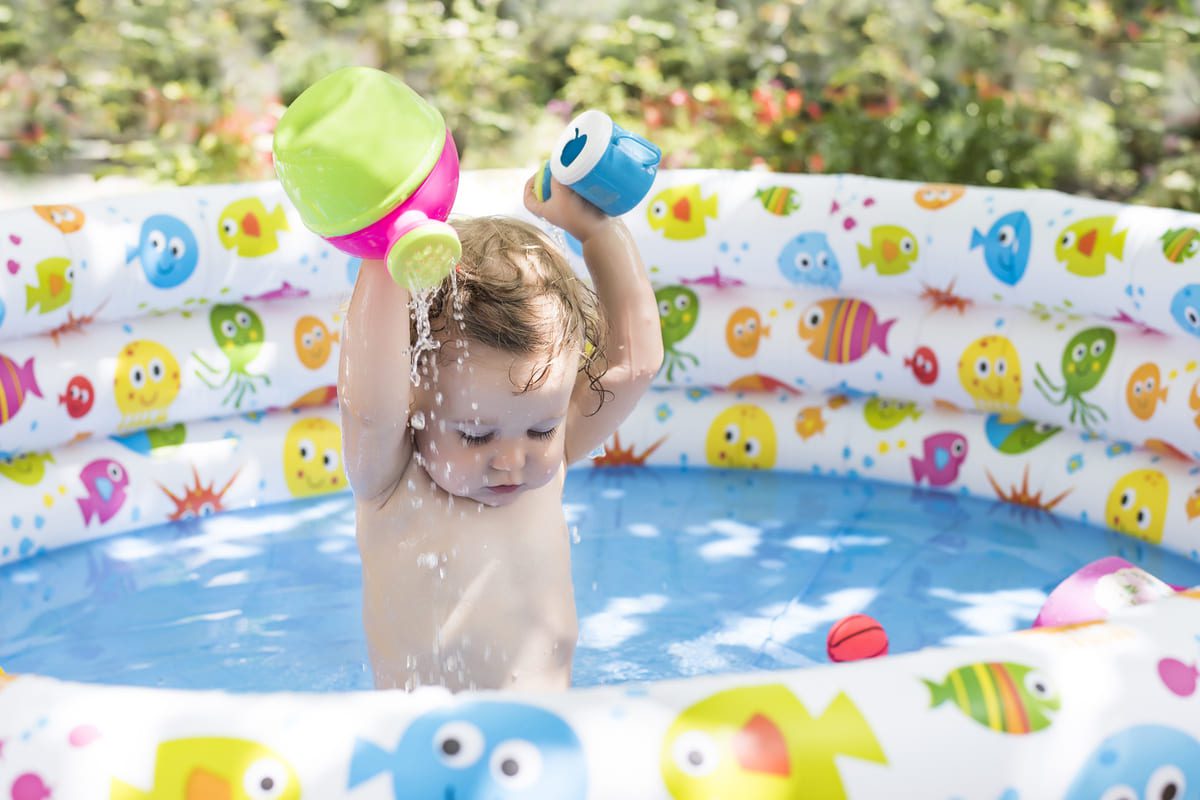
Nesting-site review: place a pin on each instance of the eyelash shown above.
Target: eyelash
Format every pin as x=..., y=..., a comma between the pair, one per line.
x=476, y=441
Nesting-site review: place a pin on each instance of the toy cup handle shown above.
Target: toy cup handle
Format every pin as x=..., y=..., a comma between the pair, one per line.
x=423, y=255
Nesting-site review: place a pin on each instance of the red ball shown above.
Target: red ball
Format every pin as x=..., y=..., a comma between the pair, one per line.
x=856, y=637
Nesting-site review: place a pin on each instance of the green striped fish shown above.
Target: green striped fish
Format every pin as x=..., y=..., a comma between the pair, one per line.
x=779, y=200
x=1179, y=244
x=1006, y=697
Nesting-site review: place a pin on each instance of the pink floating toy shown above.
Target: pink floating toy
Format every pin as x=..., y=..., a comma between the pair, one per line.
x=372, y=169
x=1098, y=589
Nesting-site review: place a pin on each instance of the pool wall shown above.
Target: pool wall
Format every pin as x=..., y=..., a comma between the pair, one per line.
x=1044, y=348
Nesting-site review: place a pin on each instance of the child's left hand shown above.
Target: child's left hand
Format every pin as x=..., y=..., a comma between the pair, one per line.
x=566, y=209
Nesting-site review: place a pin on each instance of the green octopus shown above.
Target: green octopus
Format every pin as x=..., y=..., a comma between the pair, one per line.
x=1084, y=361
x=238, y=331
x=678, y=310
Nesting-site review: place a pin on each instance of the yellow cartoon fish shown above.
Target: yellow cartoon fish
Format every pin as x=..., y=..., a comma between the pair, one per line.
x=680, y=212
x=893, y=250
x=1085, y=246
x=220, y=769
x=56, y=279
x=1137, y=505
x=246, y=226
x=27, y=469
x=761, y=742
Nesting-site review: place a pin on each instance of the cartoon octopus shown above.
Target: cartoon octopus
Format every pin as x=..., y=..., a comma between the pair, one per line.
x=238, y=331
x=678, y=310
x=1084, y=362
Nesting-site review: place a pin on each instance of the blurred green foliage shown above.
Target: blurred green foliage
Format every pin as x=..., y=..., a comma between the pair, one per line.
x=1099, y=97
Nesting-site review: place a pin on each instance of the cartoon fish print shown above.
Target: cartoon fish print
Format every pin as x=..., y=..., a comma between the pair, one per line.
x=1180, y=244
x=312, y=458
x=1006, y=246
x=885, y=413
x=678, y=312
x=67, y=219
x=479, y=749
x=1085, y=359
x=680, y=212
x=989, y=370
x=841, y=330
x=1084, y=247
x=78, y=397
x=1001, y=695
x=56, y=280
x=16, y=384
x=808, y=260
x=778, y=200
x=246, y=227
x=743, y=332
x=1185, y=308
x=1193, y=504
x=944, y=454
x=893, y=250
x=936, y=196
x=105, y=481
x=758, y=382
x=146, y=441
x=314, y=342
x=167, y=251
x=145, y=383
x=27, y=469
x=1137, y=505
x=741, y=437
x=1016, y=437
x=212, y=767
x=924, y=365
x=761, y=742
x=1145, y=391
x=1162, y=763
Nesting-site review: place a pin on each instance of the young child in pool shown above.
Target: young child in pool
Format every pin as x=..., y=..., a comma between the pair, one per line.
x=458, y=481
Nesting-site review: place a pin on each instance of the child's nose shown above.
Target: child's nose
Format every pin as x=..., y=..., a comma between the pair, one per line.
x=508, y=457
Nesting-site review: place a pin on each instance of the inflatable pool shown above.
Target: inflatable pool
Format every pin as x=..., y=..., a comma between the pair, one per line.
x=989, y=370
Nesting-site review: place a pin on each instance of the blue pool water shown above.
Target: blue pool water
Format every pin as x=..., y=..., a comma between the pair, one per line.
x=676, y=573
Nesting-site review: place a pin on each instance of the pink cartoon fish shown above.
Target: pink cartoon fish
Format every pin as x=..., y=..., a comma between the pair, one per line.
x=944, y=453
x=15, y=383
x=105, y=481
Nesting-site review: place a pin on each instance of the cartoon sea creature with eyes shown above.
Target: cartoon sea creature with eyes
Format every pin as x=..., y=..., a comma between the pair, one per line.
x=990, y=372
x=1137, y=505
x=936, y=196
x=680, y=212
x=27, y=469
x=841, y=330
x=1004, y=696
x=238, y=332
x=249, y=229
x=477, y=750
x=1017, y=437
x=884, y=413
x=761, y=742
x=145, y=384
x=167, y=250
x=314, y=342
x=1185, y=308
x=1006, y=246
x=312, y=458
x=1085, y=246
x=741, y=437
x=1180, y=244
x=56, y=282
x=744, y=330
x=67, y=219
x=944, y=454
x=893, y=250
x=1146, y=762
x=808, y=260
x=228, y=769
x=678, y=311
x=105, y=481
x=1084, y=362
x=1145, y=391
x=778, y=200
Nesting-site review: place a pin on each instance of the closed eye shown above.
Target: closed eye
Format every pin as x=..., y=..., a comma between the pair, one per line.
x=475, y=441
x=543, y=434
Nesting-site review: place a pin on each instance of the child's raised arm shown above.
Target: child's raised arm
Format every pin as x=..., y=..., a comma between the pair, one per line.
x=374, y=386
x=634, y=346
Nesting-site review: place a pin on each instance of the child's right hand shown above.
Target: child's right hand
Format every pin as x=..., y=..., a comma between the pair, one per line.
x=566, y=209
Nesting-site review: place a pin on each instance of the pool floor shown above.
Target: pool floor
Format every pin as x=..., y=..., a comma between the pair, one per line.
x=677, y=573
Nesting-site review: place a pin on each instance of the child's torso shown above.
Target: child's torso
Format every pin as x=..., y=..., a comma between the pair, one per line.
x=467, y=595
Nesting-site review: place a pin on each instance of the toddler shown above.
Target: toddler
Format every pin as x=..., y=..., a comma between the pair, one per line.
x=458, y=480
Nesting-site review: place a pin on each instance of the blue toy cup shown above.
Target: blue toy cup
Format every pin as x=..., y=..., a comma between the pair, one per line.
x=611, y=167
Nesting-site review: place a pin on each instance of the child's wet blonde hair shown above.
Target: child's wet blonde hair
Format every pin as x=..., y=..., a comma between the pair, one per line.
x=517, y=293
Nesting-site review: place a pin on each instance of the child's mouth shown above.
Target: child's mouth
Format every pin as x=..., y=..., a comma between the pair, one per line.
x=505, y=488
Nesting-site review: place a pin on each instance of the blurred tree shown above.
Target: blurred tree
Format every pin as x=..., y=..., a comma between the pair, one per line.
x=1091, y=96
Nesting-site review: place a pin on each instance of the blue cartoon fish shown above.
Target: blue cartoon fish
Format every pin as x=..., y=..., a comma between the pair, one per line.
x=809, y=260
x=478, y=750
x=1006, y=246
x=1160, y=762
x=167, y=249
x=1185, y=308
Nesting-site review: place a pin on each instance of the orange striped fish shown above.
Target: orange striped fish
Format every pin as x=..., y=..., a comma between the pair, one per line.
x=840, y=329
x=16, y=383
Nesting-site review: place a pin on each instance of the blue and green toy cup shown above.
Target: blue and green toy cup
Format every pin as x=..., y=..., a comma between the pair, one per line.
x=597, y=158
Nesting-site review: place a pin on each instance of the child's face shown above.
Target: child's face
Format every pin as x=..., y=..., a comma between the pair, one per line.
x=487, y=440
